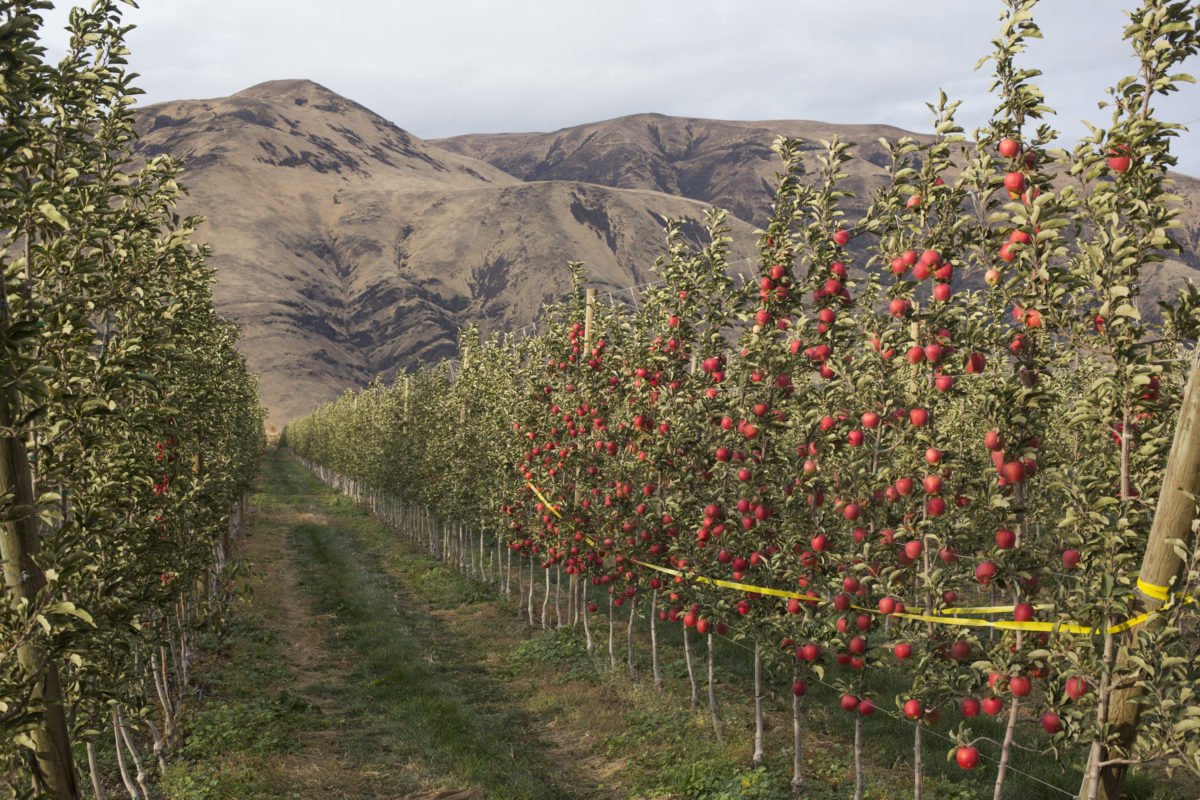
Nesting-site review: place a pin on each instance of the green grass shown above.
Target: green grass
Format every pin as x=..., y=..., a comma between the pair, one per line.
x=400, y=687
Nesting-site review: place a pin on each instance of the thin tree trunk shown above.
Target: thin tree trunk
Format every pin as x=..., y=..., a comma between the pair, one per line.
x=797, y=782
x=140, y=775
x=130, y=786
x=712, y=689
x=546, y=600
x=558, y=620
x=160, y=748
x=587, y=628
x=629, y=641
x=859, y=778
x=691, y=668
x=508, y=575
x=97, y=787
x=758, y=757
x=918, y=766
x=612, y=650
x=654, y=639
x=1006, y=747
x=1096, y=755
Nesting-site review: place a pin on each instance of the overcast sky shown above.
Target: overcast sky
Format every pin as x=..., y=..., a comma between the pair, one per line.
x=479, y=66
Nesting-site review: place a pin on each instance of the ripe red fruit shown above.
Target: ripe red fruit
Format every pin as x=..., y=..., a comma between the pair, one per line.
x=1009, y=148
x=942, y=292
x=887, y=605
x=913, y=709
x=799, y=688
x=993, y=705
x=991, y=277
x=855, y=438
x=870, y=419
x=967, y=757
x=903, y=650
x=915, y=355
x=812, y=652
x=1012, y=471
x=852, y=511
x=820, y=542
x=1023, y=612
x=1077, y=687
x=944, y=383
x=918, y=417
x=1005, y=539
x=933, y=455
x=1070, y=558
x=899, y=307
x=904, y=486
x=1014, y=182
x=1020, y=686
x=1118, y=158
x=866, y=707
x=993, y=441
x=849, y=702
x=841, y=237
x=858, y=645
x=932, y=484
x=970, y=707
x=913, y=548
x=985, y=572
x=935, y=506
x=960, y=650
x=1051, y=723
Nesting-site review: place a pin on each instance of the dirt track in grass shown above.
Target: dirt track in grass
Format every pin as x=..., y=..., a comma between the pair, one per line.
x=406, y=665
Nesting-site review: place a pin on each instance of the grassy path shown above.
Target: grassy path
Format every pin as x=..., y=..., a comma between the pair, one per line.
x=373, y=634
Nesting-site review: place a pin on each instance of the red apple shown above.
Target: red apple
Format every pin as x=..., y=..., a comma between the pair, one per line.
x=866, y=707
x=799, y=688
x=1005, y=539
x=1051, y=723
x=913, y=709
x=1077, y=688
x=967, y=757
x=970, y=707
x=1020, y=686
x=1070, y=558
x=918, y=417
x=1014, y=182
x=903, y=650
x=1009, y=148
x=849, y=702
x=1022, y=612
x=960, y=650
x=992, y=705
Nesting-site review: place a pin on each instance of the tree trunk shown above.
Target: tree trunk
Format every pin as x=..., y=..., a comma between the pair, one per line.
x=629, y=641
x=797, y=746
x=654, y=639
x=758, y=757
x=712, y=690
x=691, y=668
x=1160, y=567
x=54, y=768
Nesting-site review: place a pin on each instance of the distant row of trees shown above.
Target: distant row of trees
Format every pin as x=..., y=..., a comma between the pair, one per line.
x=129, y=425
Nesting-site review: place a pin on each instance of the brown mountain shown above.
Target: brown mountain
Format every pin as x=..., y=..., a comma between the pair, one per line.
x=346, y=247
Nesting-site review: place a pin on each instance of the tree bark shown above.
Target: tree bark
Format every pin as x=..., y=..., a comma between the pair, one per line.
x=1160, y=567
x=54, y=767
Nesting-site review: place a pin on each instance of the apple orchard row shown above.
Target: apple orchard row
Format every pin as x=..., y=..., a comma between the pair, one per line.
x=955, y=398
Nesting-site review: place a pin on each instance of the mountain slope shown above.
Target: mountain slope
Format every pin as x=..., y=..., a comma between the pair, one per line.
x=346, y=247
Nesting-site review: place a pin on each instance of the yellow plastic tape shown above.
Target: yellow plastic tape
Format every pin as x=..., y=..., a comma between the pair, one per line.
x=943, y=617
x=1151, y=590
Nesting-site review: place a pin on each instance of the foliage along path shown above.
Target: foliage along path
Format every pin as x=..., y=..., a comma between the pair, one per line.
x=389, y=646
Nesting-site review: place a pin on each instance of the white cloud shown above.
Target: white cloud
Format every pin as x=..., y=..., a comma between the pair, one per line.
x=464, y=66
